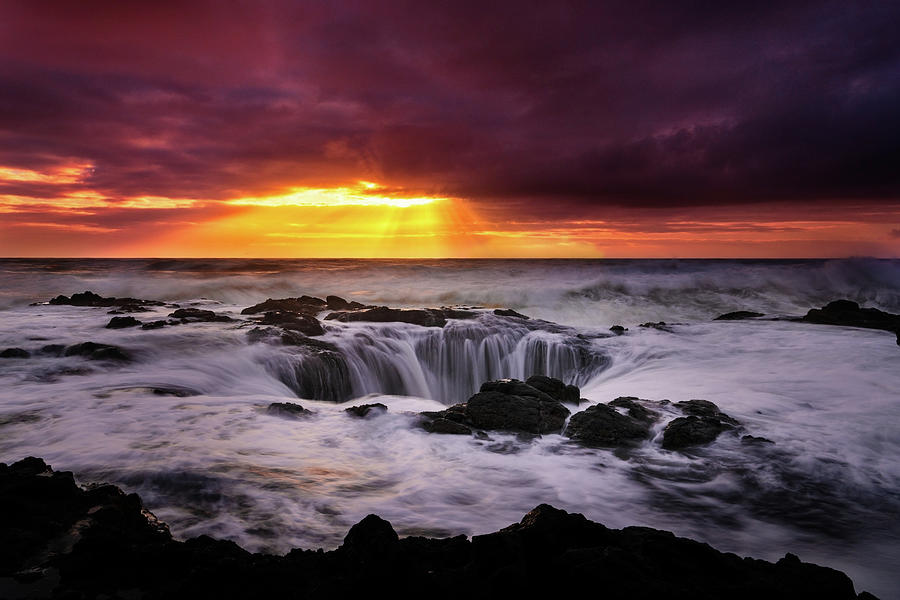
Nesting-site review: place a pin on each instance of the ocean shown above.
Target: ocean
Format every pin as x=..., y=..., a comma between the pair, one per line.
x=184, y=422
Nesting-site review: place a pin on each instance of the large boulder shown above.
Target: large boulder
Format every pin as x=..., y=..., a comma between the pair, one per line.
x=555, y=388
x=289, y=410
x=602, y=425
x=702, y=425
x=95, y=351
x=14, y=353
x=364, y=410
x=91, y=299
x=305, y=324
x=198, y=315
x=738, y=315
x=848, y=313
x=309, y=305
x=122, y=322
x=502, y=405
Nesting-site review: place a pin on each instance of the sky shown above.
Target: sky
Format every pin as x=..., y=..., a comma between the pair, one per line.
x=449, y=129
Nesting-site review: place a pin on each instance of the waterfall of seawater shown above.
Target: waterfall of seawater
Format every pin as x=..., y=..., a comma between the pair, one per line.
x=446, y=364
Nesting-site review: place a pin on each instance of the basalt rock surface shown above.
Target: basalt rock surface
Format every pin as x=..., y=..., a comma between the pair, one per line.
x=425, y=317
x=89, y=298
x=738, y=315
x=503, y=405
x=849, y=314
x=63, y=541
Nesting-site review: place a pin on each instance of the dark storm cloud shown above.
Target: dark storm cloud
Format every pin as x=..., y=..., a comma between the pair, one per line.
x=638, y=104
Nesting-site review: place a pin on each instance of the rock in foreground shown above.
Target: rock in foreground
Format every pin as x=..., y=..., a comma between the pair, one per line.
x=62, y=541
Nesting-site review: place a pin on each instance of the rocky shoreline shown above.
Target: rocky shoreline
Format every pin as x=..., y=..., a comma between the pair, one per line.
x=65, y=541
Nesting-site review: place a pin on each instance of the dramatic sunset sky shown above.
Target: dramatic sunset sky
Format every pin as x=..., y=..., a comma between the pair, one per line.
x=405, y=129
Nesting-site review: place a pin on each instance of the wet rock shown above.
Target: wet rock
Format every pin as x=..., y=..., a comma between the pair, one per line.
x=91, y=299
x=53, y=349
x=427, y=317
x=502, y=405
x=122, y=322
x=446, y=426
x=685, y=432
x=364, y=410
x=738, y=315
x=309, y=305
x=660, y=325
x=618, y=329
x=508, y=312
x=636, y=410
x=754, y=440
x=338, y=303
x=849, y=314
x=128, y=308
x=555, y=388
x=292, y=321
x=102, y=543
x=704, y=408
x=197, y=315
x=159, y=324
x=289, y=410
x=603, y=426
x=515, y=406
x=95, y=351
x=15, y=353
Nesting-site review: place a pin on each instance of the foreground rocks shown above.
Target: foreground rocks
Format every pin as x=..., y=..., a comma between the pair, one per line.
x=63, y=541
x=849, y=314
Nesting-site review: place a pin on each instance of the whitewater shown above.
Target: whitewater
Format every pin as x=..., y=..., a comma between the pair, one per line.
x=184, y=423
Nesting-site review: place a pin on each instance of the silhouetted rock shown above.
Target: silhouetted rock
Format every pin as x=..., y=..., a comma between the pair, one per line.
x=426, y=317
x=738, y=315
x=338, y=303
x=122, y=322
x=288, y=409
x=508, y=312
x=159, y=324
x=95, y=351
x=618, y=329
x=602, y=425
x=305, y=324
x=363, y=410
x=197, y=315
x=849, y=314
x=555, y=388
x=660, y=325
x=304, y=304
x=15, y=353
x=752, y=439
x=636, y=410
x=63, y=541
x=684, y=432
x=91, y=299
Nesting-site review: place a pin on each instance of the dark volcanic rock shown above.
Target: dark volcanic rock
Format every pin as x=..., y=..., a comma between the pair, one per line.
x=91, y=299
x=703, y=425
x=304, y=304
x=508, y=312
x=63, y=541
x=555, y=388
x=660, y=325
x=338, y=303
x=503, y=405
x=15, y=353
x=305, y=324
x=684, y=432
x=159, y=324
x=197, y=315
x=636, y=411
x=516, y=411
x=704, y=408
x=603, y=426
x=427, y=317
x=122, y=322
x=95, y=351
x=364, y=410
x=847, y=313
x=618, y=329
x=752, y=439
x=738, y=315
x=288, y=409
